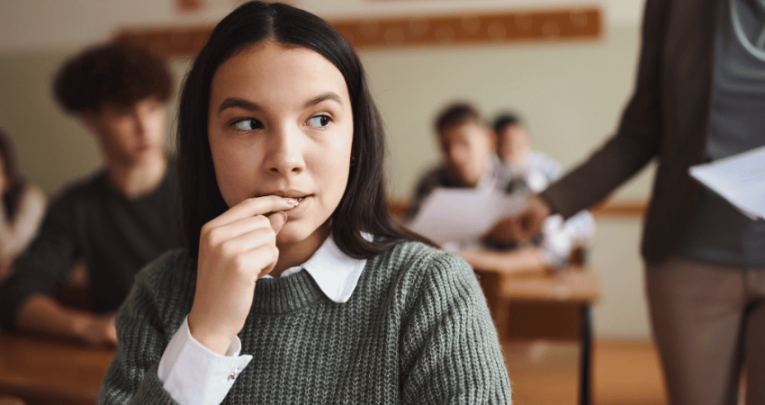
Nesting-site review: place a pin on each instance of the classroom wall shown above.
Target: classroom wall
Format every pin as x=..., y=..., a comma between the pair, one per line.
x=570, y=94
x=68, y=24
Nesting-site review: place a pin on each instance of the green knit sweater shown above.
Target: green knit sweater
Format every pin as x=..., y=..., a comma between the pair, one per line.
x=415, y=331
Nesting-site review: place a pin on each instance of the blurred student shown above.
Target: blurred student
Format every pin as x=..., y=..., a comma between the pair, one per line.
x=115, y=220
x=470, y=162
x=467, y=148
x=528, y=171
x=534, y=168
x=21, y=207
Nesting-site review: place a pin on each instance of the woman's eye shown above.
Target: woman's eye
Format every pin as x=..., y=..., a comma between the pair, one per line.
x=248, y=124
x=319, y=121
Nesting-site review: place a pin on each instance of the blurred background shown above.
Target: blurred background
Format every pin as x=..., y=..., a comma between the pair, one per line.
x=569, y=89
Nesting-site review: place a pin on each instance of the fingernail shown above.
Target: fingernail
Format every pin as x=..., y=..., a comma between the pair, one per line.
x=292, y=201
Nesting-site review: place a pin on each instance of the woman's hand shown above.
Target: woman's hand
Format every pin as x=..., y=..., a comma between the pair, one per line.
x=235, y=250
x=520, y=227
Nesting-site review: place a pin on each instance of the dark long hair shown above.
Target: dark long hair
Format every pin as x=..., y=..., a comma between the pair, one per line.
x=17, y=183
x=363, y=207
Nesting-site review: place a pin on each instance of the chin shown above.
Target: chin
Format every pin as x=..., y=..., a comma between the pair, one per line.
x=292, y=233
x=297, y=232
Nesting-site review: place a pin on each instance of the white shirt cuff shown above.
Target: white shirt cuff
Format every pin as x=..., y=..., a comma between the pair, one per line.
x=193, y=374
x=556, y=244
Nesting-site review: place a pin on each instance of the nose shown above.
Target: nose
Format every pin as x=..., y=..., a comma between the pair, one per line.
x=457, y=156
x=140, y=122
x=284, y=155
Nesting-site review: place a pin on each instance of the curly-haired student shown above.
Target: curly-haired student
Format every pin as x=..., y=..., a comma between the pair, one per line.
x=114, y=221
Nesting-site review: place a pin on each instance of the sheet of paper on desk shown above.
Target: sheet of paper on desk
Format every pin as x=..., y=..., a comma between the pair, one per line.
x=449, y=215
x=740, y=179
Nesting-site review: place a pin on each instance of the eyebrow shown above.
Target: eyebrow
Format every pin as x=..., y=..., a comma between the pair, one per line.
x=324, y=97
x=235, y=102
x=232, y=102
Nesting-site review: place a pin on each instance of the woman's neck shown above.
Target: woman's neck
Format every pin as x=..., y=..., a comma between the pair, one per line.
x=295, y=254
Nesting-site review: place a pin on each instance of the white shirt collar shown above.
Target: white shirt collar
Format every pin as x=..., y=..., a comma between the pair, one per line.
x=336, y=273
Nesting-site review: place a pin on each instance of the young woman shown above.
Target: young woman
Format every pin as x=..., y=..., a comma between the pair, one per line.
x=21, y=207
x=296, y=285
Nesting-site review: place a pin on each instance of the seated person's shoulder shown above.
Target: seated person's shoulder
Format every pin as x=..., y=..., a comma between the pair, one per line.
x=432, y=178
x=420, y=261
x=34, y=195
x=81, y=190
x=168, y=270
x=32, y=206
x=162, y=294
x=547, y=164
x=429, y=277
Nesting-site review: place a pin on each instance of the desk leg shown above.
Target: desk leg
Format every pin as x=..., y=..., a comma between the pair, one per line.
x=585, y=358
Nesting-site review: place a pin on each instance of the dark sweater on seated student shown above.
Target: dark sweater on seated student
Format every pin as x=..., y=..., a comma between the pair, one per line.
x=113, y=235
x=440, y=177
x=416, y=330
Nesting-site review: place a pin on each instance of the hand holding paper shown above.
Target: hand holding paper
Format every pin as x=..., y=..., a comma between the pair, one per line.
x=453, y=215
x=740, y=179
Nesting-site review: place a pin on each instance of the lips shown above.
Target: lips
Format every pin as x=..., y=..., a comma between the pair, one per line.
x=296, y=194
x=285, y=193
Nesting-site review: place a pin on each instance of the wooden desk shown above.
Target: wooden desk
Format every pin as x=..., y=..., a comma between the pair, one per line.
x=554, y=307
x=44, y=371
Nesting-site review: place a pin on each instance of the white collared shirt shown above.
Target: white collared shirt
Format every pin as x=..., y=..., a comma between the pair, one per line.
x=193, y=374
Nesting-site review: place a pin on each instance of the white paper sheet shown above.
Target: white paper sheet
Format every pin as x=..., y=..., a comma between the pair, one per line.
x=455, y=215
x=740, y=179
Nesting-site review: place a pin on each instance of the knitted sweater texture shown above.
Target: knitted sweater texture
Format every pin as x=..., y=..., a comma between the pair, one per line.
x=415, y=331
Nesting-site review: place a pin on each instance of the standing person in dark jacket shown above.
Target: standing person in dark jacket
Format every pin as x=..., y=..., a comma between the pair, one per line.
x=699, y=96
x=115, y=220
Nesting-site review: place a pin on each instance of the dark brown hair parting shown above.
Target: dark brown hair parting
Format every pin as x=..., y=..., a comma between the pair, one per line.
x=363, y=208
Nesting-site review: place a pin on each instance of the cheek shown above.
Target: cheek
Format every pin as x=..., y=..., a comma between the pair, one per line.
x=158, y=124
x=337, y=173
x=232, y=172
x=475, y=155
x=123, y=131
x=333, y=167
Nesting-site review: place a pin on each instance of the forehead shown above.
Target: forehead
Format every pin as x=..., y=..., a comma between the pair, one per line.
x=467, y=132
x=512, y=129
x=114, y=108
x=270, y=72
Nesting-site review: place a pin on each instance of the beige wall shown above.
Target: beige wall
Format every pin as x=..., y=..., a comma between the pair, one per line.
x=570, y=94
x=52, y=25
